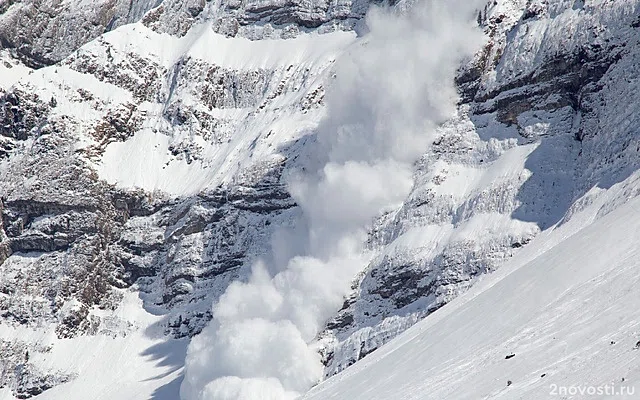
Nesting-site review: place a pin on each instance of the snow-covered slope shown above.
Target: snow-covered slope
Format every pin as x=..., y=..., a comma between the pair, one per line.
x=152, y=160
x=561, y=319
x=129, y=358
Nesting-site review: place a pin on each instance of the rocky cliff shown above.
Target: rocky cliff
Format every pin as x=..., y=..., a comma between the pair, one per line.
x=144, y=147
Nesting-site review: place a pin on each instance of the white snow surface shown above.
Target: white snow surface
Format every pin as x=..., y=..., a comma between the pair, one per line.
x=132, y=361
x=154, y=167
x=10, y=70
x=567, y=307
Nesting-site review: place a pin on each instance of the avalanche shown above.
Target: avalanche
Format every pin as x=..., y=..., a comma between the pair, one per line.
x=301, y=179
x=392, y=89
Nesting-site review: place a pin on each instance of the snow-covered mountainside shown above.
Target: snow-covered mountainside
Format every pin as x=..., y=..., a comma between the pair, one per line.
x=146, y=154
x=560, y=320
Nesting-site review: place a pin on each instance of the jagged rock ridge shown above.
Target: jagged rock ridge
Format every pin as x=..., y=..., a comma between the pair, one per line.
x=547, y=124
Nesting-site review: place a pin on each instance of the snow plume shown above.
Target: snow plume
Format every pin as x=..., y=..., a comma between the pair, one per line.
x=392, y=89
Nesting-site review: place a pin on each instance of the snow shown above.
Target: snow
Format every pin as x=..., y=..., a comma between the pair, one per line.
x=550, y=305
x=138, y=363
x=569, y=27
x=238, y=53
x=391, y=91
x=465, y=180
x=568, y=311
x=558, y=305
x=10, y=70
x=58, y=81
x=144, y=160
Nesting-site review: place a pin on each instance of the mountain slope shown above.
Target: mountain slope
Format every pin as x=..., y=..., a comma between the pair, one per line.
x=152, y=162
x=566, y=309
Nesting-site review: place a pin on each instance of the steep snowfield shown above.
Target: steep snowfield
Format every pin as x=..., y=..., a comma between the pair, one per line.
x=566, y=307
x=10, y=70
x=132, y=360
x=145, y=161
x=153, y=160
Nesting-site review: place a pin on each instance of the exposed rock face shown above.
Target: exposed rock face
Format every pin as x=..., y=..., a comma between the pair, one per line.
x=548, y=119
x=41, y=33
x=44, y=32
x=257, y=19
x=24, y=374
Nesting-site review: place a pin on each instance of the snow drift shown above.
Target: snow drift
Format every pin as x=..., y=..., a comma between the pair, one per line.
x=392, y=89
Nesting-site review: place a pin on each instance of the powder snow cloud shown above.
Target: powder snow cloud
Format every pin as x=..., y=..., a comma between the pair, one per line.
x=392, y=89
